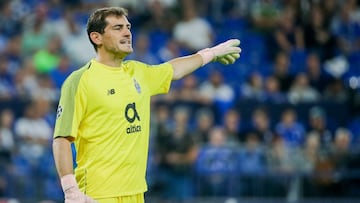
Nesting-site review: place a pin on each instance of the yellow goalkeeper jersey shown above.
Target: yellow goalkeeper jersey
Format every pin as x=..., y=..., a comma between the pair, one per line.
x=107, y=111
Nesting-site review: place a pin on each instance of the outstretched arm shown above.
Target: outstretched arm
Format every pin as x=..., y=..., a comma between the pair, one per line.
x=225, y=53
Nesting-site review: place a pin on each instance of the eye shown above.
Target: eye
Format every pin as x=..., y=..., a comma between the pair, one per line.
x=117, y=27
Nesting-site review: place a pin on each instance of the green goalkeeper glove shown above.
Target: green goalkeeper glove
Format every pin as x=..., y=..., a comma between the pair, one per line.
x=226, y=53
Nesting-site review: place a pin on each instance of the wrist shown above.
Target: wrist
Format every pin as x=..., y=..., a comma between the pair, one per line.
x=68, y=182
x=207, y=55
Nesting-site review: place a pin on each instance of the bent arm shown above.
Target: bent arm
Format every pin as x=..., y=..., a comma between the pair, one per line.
x=185, y=65
x=63, y=156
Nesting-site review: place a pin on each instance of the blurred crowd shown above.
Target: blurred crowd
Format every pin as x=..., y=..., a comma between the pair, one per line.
x=283, y=121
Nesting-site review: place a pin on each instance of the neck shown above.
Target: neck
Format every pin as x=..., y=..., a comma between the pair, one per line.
x=112, y=60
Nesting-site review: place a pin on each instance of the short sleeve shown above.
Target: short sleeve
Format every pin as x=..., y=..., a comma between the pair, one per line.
x=158, y=78
x=71, y=108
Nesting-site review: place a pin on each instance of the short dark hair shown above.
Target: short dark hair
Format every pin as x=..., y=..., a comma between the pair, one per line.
x=97, y=22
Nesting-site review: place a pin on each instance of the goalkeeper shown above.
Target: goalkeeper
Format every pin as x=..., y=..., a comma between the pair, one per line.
x=104, y=109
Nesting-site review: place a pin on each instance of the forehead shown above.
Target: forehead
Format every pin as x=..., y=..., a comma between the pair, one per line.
x=116, y=20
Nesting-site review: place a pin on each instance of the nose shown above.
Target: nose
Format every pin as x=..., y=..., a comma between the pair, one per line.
x=127, y=33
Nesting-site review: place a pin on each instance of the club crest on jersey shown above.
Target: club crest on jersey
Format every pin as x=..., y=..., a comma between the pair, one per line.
x=137, y=86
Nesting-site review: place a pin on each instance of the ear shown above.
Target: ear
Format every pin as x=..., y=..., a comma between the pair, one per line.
x=96, y=38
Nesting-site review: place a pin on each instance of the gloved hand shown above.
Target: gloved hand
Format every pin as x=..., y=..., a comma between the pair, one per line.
x=72, y=191
x=225, y=53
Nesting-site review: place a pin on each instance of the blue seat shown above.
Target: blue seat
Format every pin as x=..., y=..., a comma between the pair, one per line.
x=298, y=61
x=254, y=49
x=158, y=39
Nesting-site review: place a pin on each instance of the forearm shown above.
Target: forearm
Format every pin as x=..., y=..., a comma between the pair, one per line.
x=282, y=41
x=63, y=156
x=225, y=53
x=64, y=165
x=185, y=65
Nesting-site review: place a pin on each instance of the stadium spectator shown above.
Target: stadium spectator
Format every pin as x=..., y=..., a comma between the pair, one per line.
x=12, y=53
x=37, y=30
x=330, y=9
x=7, y=149
x=311, y=159
x=253, y=88
x=180, y=155
x=216, y=91
x=45, y=89
x=272, y=91
x=232, y=126
x=204, y=120
x=347, y=31
x=340, y=150
x=280, y=164
x=33, y=134
x=336, y=91
x=216, y=165
x=160, y=131
x=7, y=138
x=157, y=21
x=345, y=160
x=290, y=129
x=265, y=15
x=47, y=59
x=188, y=91
x=318, y=124
x=10, y=24
x=25, y=80
x=354, y=10
x=193, y=32
x=261, y=125
x=251, y=165
x=336, y=161
x=330, y=28
x=309, y=154
x=318, y=78
x=74, y=40
x=301, y=91
x=281, y=71
x=288, y=36
x=46, y=110
x=318, y=36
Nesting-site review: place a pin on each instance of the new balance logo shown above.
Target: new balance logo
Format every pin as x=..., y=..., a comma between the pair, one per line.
x=111, y=91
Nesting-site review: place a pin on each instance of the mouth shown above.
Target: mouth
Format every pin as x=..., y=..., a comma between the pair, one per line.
x=125, y=41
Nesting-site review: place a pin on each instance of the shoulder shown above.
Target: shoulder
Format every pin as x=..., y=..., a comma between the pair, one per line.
x=74, y=78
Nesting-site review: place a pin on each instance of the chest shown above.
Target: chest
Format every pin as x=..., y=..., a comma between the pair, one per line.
x=113, y=92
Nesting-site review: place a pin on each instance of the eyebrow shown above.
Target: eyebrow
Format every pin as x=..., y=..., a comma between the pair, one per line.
x=121, y=25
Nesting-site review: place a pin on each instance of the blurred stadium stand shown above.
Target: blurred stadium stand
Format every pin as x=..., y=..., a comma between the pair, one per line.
x=248, y=160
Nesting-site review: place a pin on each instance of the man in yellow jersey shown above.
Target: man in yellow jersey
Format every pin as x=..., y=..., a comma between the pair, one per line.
x=105, y=110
